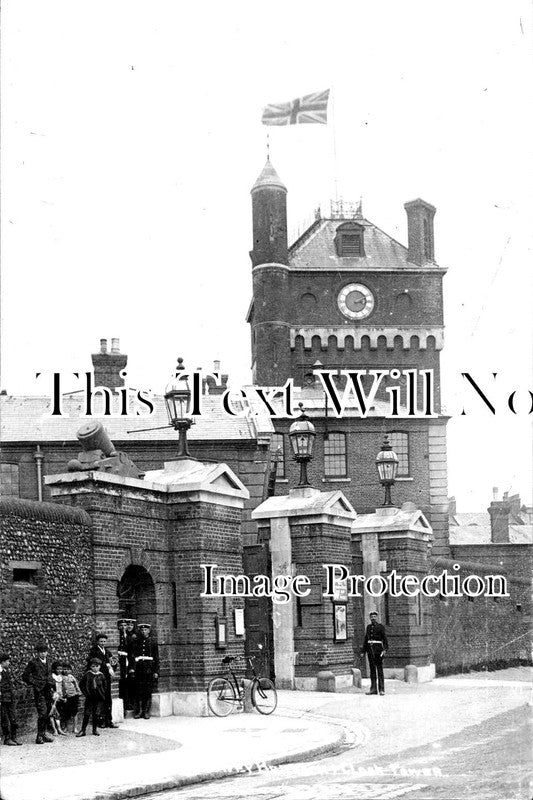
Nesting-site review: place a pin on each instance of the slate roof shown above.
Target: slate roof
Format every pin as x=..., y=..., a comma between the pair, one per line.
x=480, y=534
x=24, y=419
x=315, y=250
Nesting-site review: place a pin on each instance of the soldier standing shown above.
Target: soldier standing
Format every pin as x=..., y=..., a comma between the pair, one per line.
x=38, y=675
x=125, y=684
x=375, y=646
x=105, y=656
x=145, y=664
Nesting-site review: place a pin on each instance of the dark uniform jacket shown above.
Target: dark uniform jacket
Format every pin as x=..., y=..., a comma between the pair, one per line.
x=39, y=675
x=144, y=658
x=105, y=658
x=375, y=633
x=7, y=687
x=124, y=652
x=92, y=685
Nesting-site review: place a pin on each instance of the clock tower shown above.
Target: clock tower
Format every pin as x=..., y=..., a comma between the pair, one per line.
x=347, y=296
x=344, y=294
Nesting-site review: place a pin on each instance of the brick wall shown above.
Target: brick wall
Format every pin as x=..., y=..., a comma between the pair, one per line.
x=485, y=632
x=166, y=536
x=245, y=457
x=312, y=546
x=56, y=604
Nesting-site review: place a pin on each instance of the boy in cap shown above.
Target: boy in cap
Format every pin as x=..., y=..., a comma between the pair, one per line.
x=93, y=686
x=8, y=713
x=105, y=656
x=145, y=665
x=38, y=675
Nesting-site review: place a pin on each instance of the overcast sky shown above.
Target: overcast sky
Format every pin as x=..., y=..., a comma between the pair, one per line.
x=132, y=137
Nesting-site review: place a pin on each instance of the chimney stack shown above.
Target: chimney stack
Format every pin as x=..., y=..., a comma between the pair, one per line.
x=108, y=366
x=499, y=511
x=421, y=248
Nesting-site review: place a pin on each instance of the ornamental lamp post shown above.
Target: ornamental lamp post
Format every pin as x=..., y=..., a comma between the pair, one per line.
x=178, y=403
x=302, y=437
x=387, y=466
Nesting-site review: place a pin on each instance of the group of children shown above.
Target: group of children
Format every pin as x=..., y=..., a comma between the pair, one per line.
x=65, y=698
x=56, y=694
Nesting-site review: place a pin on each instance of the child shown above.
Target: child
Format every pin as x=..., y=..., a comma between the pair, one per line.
x=55, y=719
x=7, y=708
x=71, y=693
x=58, y=702
x=93, y=686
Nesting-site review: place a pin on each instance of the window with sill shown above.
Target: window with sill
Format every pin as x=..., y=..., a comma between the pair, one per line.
x=9, y=480
x=349, y=240
x=277, y=449
x=400, y=444
x=335, y=455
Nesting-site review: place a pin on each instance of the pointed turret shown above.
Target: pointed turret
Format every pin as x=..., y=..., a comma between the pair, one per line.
x=269, y=177
x=269, y=210
x=270, y=260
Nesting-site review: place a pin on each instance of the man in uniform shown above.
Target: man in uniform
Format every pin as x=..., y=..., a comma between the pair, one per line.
x=38, y=675
x=375, y=646
x=145, y=665
x=126, y=637
x=105, y=656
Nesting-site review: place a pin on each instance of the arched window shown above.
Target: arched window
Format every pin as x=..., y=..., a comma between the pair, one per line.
x=335, y=456
x=400, y=444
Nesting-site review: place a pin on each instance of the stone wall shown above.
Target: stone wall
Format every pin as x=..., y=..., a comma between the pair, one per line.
x=46, y=582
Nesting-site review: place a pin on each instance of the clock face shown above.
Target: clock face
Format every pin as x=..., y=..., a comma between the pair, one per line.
x=356, y=301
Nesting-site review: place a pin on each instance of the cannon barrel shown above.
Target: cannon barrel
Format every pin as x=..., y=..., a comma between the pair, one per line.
x=93, y=436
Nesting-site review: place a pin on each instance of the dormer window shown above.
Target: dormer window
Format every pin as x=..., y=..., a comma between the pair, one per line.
x=349, y=240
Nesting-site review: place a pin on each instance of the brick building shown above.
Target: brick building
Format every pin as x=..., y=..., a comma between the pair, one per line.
x=345, y=295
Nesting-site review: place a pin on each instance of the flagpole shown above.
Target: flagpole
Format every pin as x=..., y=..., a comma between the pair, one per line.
x=334, y=127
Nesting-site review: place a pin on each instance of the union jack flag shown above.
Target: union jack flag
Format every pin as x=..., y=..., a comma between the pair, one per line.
x=310, y=108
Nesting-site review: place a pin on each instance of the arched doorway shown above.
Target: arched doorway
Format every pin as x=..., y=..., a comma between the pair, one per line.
x=136, y=595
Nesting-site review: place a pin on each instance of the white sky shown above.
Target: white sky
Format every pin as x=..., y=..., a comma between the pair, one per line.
x=131, y=139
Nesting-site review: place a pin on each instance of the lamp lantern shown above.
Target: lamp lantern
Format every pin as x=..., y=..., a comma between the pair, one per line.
x=178, y=404
x=387, y=466
x=302, y=438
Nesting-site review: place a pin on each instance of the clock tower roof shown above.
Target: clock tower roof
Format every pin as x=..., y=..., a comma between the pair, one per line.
x=317, y=249
x=268, y=177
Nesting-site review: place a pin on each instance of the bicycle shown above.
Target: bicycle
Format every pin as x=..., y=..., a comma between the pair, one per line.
x=223, y=693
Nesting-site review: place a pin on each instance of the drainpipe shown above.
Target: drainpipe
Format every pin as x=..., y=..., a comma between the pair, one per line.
x=38, y=456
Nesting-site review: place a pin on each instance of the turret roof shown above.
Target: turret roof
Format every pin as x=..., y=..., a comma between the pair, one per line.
x=268, y=177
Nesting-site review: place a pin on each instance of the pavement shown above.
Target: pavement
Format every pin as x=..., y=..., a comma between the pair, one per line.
x=147, y=756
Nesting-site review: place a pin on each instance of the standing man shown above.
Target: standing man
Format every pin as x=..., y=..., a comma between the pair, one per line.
x=38, y=675
x=375, y=646
x=125, y=685
x=105, y=656
x=145, y=664
x=8, y=712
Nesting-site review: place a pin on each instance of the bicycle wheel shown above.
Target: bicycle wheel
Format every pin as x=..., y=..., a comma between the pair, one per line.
x=264, y=695
x=220, y=697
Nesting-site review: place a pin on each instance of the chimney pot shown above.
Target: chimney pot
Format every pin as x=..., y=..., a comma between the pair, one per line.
x=103, y=345
x=115, y=345
x=495, y=493
x=216, y=366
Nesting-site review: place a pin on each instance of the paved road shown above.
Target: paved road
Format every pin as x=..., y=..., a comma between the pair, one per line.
x=488, y=760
